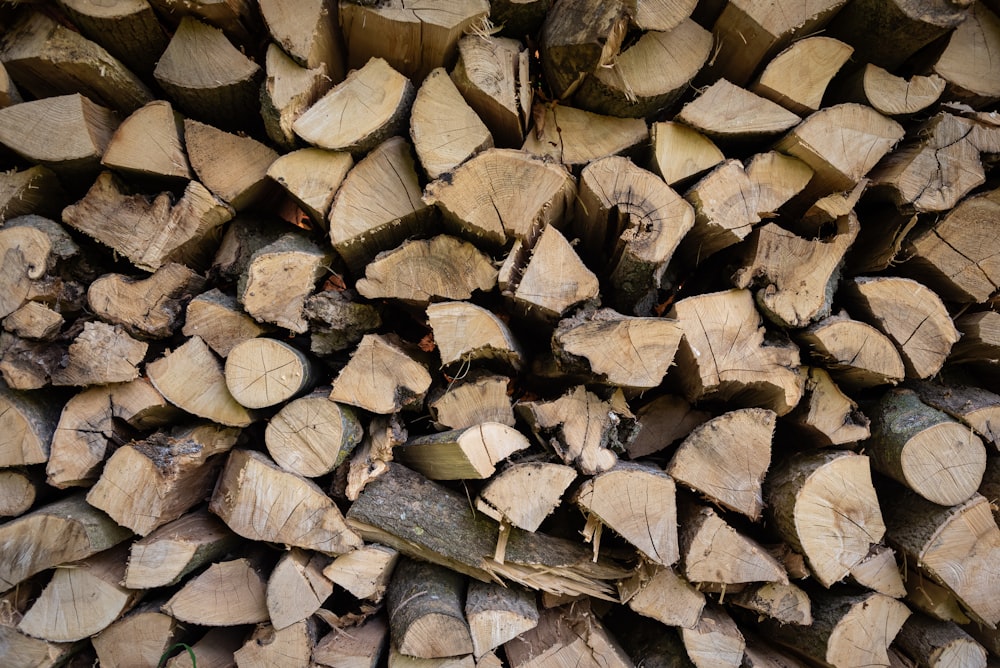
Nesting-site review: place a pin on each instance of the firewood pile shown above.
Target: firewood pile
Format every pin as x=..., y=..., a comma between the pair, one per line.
x=520, y=333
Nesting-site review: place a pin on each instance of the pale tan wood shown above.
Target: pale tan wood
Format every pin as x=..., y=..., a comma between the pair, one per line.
x=100, y=354
x=33, y=190
x=289, y=90
x=311, y=177
x=311, y=435
x=264, y=372
x=478, y=397
x=139, y=638
x=270, y=647
x=17, y=492
x=129, y=30
x=424, y=270
x=577, y=39
x=649, y=75
x=297, y=588
x=216, y=317
x=784, y=602
x=824, y=505
x=369, y=106
x=20, y=649
x=892, y=95
x=726, y=207
x=638, y=503
x=28, y=365
x=966, y=62
x=841, y=144
x=660, y=593
x=27, y=255
x=663, y=420
x=27, y=426
x=856, y=354
x=191, y=378
x=565, y=637
x=525, y=493
x=725, y=111
x=226, y=594
x=778, y=178
x=798, y=76
x=364, y=572
x=647, y=220
x=470, y=453
x=361, y=646
x=399, y=660
x=936, y=644
x=214, y=650
x=713, y=552
x=975, y=407
x=381, y=377
x=175, y=549
x=932, y=599
x=206, y=76
x=576, y=137
x=148, y=307
x=466, y=333
x=681, y=153
x=150, y=231
x=297, y=513
x=233, y=167
x=496, y=614
x=150, y=143
x=980, y=337
x=827, y=415
x=371, y=458
x=532, y=193
x=489, y=75
x=715, y=641
x=46, y=59
x=879, y=572
x=732, y=356
x=659, y=14
x=414, y=38
x=911, y=315
x=68, y=133
x=426, y=615
x=360, y=228
x=726, y=459
x=307, y=31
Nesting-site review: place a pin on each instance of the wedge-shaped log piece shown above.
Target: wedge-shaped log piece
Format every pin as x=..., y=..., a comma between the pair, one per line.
x=856, y=354
x=632, y=353
x=525, y=493
x=458, y=454
x=450, y=533
x=361, y=226
x=414, y=38
x=638, y=502
x=715, y=641
x=27, y=426
x=577, y=39
x=580, y=427
x=139, y=638
x=681, y=153
x=217, y=318
x=827, y=415
x=34, y=190
x=576, y=137
x=312, y=435
x=153, y=125
x=233, y=167
x=935, y=600
x=785, y=603
x=645, y=218
x=841, y=143
x=146, y=307
x=725, y=111
x=369, y=459
x=479, y=397
x=369, y=106
x=726, y=459
x=311, y=177
x=724, y=355
x=889, y=94
x=60, y=532
x=663, y=420
x=909, y=314
x=289, y=90
x=497, y=614
x=726, y=206
x=363, y=645
x=967, y=61
x=297, y=588
x=939, y=458
x=280, y=277
x=503, y=194
x=798, y=76
x=47, y=59
x=238, y=19
x=777, y=178
x=847, y=629
x=226, y=594
x=954, y=257
x=382, y=378
x=465, y=333
x=974, y=407
x=34, y=320
x=99, y=355
x=649, y=75
x=18, y=490
x=492, y=76
x=365, y=572
x=566, y=636
x=192, y=379
x=298, y=512
x=824, y=505
x=91, y=589
x=980, y=340
x=169, y=553
x=307, y=30
x=424, y=270
x=271, y=646
x=713, y=552
x=938, y=644
x=659, y=593
x=425, y=609
x=264, y=372
x=76, y=132
x=206, y=76
x=129, y=30
x=879, y=572
x=150, y=232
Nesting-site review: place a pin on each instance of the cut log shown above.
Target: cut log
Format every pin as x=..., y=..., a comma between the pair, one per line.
x=681, y=153
x=492, y=76
x=415, y=39
x=297, y=588
x=169, y=553
x=525, y=493
x=575, y=137
x=27, y=255
x=726, y=459
x=892, y=95
x=980, y=340
x=381, y=377
x=935, y=600
x=289, y=90
x=724, y=355
x=28, y=365
x=909, y=314
x=725, y=111
x=715, y=641
x=99, y=355
x=155, y=124
x=312, y=435
x=206, y=76
x=46, y=59
x=496, y=614
x=233, y=167
x=214, y=650
x=311, y=177
x=856, y=354
x=364, y=572
x=935, y=644
x=192, y=379
x=478, y=397
x=150, y=232
x=470, y=453
x=34, y=190
x=726, y=207
x=662, y=421
x=971, y=77
x=226, y=594
x=798, y=76
x=149, y=307
x=130, y=31
x=879, y=572
x=34, y=320
x=425, y=609
x=362, y=646
x=974, y=407
x=577, y=39
x=778, y=178
x=466, y=333
x=280, y=648
x=824, y=505
x=308, y=32
x=140, y=638
x=369, y=106
x=360, y=228
x=17, y=492
x=567, y=636
x=659, y=593
x=827, y=415
x=264, y=372
x=27, y=426
x=371, y=458
x=216, y=317
x=338, y=320
x=783, y=602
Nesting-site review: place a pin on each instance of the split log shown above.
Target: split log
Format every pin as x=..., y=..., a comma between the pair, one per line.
x=99, y=355
x=525, y=493
x=660, y=593
x=426, y=615
x=140, y=638
x=308, y=31
x=381, y=377
x=726, y=459
x=166, y=555
x=312, y=435
x=130, y=31
x=932, y=599
x=371, y=458
x=798, y=76
x=27, y=426
x=28, y=365
x=827, y=415
x=289, y=90
x=280, y=648
x=725, y=111
x=311, y=177
x=496, y=614
x=909, y=314
x=778, y=178
x=576, y=137
x=878, y=571
x=889, y=94
x=158, y=124
x=492, y=75
x=226, y=594
x=470, y=453
x=785, y=603
x=362, y=645
x=974, y=407
x=856, y=354
x=681, y=153
x=980, y=340
x=34, y=190
x=297, y=588
x=577, y=39
x=466, y=333
x=34, y=320
x=234, y=168
x=478, y=397
x=568, y=636
x=715, y=641
x=662, y=421
x=935, y=644
x=364, y=572
x=264, y=372
x=824, y=505
x=726, y=207
x=214, y=650
x=18, y=490
x=149, y=307
x=970, y=79
x=216, y=318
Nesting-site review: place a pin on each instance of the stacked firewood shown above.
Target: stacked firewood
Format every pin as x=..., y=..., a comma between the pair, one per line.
x=519, y=333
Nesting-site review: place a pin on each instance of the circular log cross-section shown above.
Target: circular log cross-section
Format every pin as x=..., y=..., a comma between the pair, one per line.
x=263, y=372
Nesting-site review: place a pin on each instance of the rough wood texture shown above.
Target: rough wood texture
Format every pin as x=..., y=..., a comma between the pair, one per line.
x=725, y=111
x=426, y=614
x=577, y=137
x=445, y=130
x=155, y=123
x=798, y=76
x=289, y=90
x=491, y=74
x=146, y=307
x=236, y=583
x=233, y=167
